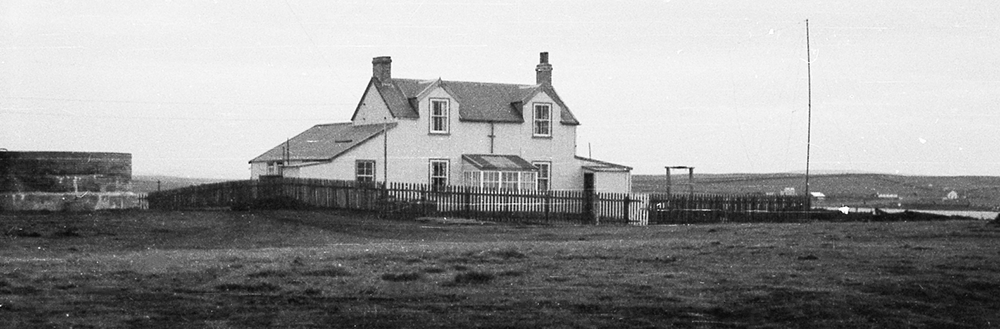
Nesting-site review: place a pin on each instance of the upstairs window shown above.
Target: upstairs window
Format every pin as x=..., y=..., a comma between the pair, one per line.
x=364, y=171
x=439, y=173
x=542, y=120
x=439, y=116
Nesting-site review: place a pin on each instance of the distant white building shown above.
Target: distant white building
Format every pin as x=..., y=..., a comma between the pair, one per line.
x=818, y=195
x=887, y=195
x=788, y=191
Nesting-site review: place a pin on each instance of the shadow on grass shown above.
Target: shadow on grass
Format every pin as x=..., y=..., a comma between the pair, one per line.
x=401, y=277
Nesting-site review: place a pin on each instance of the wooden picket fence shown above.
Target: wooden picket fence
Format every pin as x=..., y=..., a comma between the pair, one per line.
x=723, y=208
x=402, y=200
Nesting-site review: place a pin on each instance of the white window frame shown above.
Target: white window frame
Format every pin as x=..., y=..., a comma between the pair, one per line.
x=541, y=123
x=494, y=180
x=528, y=180
x=444, y=117
x=509, y=180
x=364, y=176
x=544, y=175
x=431, y=177
x=490, y=181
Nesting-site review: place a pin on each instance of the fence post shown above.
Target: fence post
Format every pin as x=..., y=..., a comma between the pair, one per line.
x=384, y=198
x=467, y=199
x=588, y=206
x=548, y=204
x=626, y=203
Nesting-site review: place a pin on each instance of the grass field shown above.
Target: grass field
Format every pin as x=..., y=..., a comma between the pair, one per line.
x=291, y=269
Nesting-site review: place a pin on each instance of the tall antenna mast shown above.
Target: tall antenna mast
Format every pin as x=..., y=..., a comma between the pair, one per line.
x=809, y=124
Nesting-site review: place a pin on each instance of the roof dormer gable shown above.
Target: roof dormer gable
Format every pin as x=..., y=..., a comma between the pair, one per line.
x=433, y=86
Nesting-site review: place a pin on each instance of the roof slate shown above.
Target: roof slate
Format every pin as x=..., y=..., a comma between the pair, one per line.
x=397, y=101
x=480, y=101
x=324, y=142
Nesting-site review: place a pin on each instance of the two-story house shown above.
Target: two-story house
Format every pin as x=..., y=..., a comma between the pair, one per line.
x=439, y=132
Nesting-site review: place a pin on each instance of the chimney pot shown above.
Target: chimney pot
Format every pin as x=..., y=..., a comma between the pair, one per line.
x=543, y=72
x=382, y=68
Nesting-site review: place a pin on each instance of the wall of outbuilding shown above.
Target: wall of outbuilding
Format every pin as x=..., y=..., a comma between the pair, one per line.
x=65, y=172
x=58, y=181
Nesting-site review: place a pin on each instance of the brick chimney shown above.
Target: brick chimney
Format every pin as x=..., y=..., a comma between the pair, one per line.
x=382, y=68
x=543, y=71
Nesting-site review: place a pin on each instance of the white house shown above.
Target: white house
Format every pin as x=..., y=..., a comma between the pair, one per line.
x=438, y=132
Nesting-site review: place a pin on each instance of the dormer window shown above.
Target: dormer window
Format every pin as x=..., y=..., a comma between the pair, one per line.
x=542, y=120
x=439, y=116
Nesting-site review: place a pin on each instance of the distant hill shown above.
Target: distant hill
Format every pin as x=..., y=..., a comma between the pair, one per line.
x=148, y=183
x=981, y=192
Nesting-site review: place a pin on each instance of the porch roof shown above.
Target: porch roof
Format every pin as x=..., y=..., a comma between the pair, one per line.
x=601, y=166
x=500, y=162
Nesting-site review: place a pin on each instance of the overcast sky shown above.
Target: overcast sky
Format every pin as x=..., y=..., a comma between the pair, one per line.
x=198, y=88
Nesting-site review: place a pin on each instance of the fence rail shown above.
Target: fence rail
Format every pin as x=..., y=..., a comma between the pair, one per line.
x=522, y=206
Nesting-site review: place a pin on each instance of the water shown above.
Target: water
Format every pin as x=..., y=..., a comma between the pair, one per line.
x=986, y=215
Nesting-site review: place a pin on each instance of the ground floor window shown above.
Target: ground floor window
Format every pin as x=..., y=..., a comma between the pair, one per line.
x=544, y=172
x=439, y=173
x=364, y=171
x=495, y=180
x=274, y=167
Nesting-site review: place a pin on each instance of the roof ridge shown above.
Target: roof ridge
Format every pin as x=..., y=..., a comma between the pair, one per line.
x=462, y=81
x=332, y=124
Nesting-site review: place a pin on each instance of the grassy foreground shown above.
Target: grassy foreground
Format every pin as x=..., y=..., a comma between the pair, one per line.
x=291, y=269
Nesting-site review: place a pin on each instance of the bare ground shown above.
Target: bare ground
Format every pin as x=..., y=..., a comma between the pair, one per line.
x=319, y=269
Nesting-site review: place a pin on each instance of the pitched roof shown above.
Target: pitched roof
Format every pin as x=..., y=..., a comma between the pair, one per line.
x=480, y=101
x=324, y=142
x=501, y=162
x=598, y=165
x=398, y=102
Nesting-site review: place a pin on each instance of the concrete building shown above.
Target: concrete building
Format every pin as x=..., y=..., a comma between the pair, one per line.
x=439, y=132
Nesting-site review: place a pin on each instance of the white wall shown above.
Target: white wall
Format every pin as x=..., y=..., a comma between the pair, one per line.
x=373, y=108
x=613, y=182
x=411, y=146
x=258, y=169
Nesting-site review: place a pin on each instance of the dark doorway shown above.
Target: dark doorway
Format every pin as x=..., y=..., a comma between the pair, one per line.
x=588, y=193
